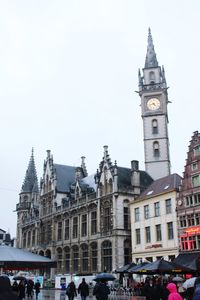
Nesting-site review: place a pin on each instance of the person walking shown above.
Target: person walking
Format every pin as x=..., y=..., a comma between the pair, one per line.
x=196, y=295
x=83, y=289
x=173, y=294
x=15, y=288
x=101, y=290
x=71, y=290
x=29, y=289
x=37, y=288
x=148, y=289
x=21, y=290
x=6, y=292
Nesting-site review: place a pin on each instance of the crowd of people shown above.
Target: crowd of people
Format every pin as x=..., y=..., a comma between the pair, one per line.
x=18, y=291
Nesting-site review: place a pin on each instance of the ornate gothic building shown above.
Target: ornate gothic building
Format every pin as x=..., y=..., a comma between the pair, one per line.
x=82, y=221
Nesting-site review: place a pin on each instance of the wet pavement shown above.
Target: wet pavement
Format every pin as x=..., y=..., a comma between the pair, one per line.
x=59, y=295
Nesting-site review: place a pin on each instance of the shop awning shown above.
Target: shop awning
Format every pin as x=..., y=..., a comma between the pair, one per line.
x=190, y=260
x=15, y=258
x=125, y=269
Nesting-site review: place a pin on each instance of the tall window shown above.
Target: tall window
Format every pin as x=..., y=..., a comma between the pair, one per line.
x=156, y=150
x=183, y=221
x=84, y=225
x=157, y=209
x=126, y=218
x=197, y=150
x=146, y=212
x=154, y=126
x=75, y=258
x=106, y=250
x=84, y=257
x=127, y=252
x=29, y=239
x=59, y=231
x=93, y=222
x=67, y=229
x=137, y=236
x=137, y=214
x=168, y=206
x=170, y=231
x=94, y=256
x=106, y=219
x=195, y=180
x=59, y=260
x=148, y=234
x=75, y=228
x=158, y=233
x=67, y=259
x=33, y=238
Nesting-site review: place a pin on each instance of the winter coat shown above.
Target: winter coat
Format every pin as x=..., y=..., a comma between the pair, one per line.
x=196, y=295
x=71, y=289
x=174, y=295
x=6, y=290
x=83, y=289
x=148, y=291
x=101, y=291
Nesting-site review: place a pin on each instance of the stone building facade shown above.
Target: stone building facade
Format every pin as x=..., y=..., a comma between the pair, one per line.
x=188, y=200
x=82, y=221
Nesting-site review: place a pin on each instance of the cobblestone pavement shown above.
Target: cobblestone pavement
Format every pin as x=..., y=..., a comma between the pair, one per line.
x=58, y=295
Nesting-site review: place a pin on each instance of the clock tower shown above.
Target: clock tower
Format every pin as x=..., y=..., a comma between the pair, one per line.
x=154, y=100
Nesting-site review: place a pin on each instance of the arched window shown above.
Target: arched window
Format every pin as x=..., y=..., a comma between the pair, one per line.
x=127, y=252
x=152, y=77
x=154, y=126
x=84, y=257
x=156, y=150
x=67, y=260
x=24, y=240
x=48, y=253
x=59, y=260
x=75, y=259
x=94, y=256
x=106, y=256
x=107, y=217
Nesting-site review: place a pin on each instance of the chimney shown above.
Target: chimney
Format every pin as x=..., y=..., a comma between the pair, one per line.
x=135, y=176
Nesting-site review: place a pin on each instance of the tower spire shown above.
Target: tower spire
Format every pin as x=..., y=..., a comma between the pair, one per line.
x=151, y=60
x=30, y=182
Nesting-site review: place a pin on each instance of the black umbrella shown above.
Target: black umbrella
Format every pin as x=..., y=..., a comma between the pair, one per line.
x=125, y=269
x=104, y=276
x=19, y=278
x=160, y=266
x=135, y=268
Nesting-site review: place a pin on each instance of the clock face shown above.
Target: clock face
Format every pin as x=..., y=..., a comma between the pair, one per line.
x=153, y=104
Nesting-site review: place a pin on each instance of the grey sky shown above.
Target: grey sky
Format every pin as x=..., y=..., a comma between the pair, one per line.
x=68, y=72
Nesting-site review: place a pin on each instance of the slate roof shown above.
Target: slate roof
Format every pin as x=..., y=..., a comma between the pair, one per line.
x=30, y=184
x=89, y=181
x=124, y=178
x=13, y=257
x=65, y=177
x=162, y=185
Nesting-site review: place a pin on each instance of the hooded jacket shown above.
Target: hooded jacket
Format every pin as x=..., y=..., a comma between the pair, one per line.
x=174, y=295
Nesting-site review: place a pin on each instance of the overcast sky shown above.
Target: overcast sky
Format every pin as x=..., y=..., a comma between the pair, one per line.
x=68, y=76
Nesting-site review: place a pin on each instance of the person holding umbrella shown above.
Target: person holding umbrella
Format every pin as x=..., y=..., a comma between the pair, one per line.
x=196, y=295
x=101, y=290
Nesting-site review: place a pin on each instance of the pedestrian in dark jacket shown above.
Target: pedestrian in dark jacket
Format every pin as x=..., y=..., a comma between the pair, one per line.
x=71, y=290
x=148, y=289
x=6, y=292
x=196, y=295
x=29, y=289
x=83, y=289
x=101, y=290
x=21, y=290
x=15, y=288
x=37, y=288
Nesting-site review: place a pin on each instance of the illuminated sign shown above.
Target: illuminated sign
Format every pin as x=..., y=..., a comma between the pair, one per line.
x=192, y=230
